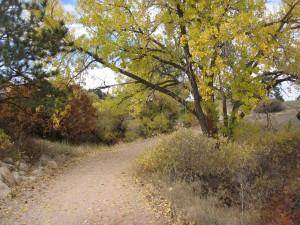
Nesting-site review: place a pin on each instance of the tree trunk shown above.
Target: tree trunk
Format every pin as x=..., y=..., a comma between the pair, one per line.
x=190, y=73
x=201, y=118
x=198, y=109
x=224, y=110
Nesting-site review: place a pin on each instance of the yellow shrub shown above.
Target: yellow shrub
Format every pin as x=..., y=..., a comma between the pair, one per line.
x=189, y=120
x=178, y=153
x=247, y=132
x=253, y=169
x=4, y=140
x=189, y=156
x=159, y=124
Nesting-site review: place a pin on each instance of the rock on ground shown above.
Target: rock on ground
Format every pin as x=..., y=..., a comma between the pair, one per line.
x=52, y=165
x=7, y=176
x=44, y=159
x=23, y=178
x=6, y=165
x=32, y=178
x=38, y=172
x=22, y=173
x=16, y=177
x=24, y=166
x=8, y=160
x=17, y=163
x=4, y=190
x=26, y=158
x=61, y=158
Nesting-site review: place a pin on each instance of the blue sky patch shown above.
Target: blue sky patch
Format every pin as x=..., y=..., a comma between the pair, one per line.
x=69, y=2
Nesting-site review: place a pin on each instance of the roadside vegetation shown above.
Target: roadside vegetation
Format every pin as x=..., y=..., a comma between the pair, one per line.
x=250, y=179
x=218, y=65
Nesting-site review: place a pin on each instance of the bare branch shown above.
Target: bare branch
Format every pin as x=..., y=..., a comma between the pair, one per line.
x=113, y=85
x=137, y=78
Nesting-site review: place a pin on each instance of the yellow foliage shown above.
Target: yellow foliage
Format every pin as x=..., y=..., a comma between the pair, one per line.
x=226, y=46
x=4, y=140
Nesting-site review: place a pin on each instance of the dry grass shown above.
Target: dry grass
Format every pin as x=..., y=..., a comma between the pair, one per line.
x=179, y=161
x=207, y=210
x=185, y=206
x=34, y=148
x=285, y=119
x=270, y=106
x=246, y=171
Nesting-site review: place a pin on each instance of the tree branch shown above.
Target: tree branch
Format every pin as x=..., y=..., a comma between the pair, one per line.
x=135, y=77
x=169, y=63
x=113, y=85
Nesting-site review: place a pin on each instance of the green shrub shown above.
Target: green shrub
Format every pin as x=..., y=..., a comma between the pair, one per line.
x=131, y=136
x=134, y=129
x=206, y=210
x=247, y=132
x=276, y=159
x=189, y=120
x=109, y=135
x=277, y=176
x=159, y=124
x=270, y=106
x=4, y=140
x=221, y=168
x=111, y=125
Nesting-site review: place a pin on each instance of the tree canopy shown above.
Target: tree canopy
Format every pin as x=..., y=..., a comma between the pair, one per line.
x=28, y=42
x=196, y=51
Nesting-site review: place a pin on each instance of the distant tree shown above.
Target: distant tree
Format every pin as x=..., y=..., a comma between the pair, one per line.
x=276, y=93
x=111, y=125
x=101, y=94
x=159, y=113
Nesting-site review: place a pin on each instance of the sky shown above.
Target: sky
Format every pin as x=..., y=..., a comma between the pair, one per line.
x=95, y=77
x=69, y=4
x=100, y=76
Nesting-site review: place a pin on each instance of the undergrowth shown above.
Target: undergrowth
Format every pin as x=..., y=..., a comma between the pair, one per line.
x=34, y=148
x=254, y=179
x=270, y=106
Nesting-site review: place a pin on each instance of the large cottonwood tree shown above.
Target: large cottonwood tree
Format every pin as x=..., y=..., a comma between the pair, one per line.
x=196, y=51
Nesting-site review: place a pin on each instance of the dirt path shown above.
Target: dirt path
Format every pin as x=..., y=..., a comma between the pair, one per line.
x=98, y=190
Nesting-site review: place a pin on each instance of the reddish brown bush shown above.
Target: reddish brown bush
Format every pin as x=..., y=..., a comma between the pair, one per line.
x=281, y=209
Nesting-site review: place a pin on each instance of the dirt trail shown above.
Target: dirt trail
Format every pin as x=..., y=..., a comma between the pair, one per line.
x=97, y=190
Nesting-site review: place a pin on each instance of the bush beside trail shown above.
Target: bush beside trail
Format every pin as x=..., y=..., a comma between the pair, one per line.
x=255, y=176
